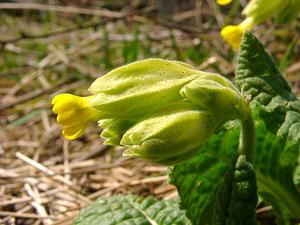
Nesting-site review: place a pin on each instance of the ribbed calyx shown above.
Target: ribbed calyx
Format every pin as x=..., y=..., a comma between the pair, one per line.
x=163, y=111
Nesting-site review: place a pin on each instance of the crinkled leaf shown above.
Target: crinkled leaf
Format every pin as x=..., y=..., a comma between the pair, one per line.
x=243, y=193
x=132, y=210
x=277, y=119
x=259, y=78
x=275, y=180
x=199, y=179
x=279, y=108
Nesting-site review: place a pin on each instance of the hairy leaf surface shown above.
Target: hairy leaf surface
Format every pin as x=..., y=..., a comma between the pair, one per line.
x=276, y=157
x=277, y=118
x=132, y=210
x=200, y=180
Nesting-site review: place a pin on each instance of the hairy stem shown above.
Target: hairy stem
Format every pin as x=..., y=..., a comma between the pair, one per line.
x=247, y=138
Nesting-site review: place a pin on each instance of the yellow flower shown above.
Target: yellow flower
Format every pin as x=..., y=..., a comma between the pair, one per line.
x=233, y=33
x=224, y=2
x=258, y=11
x=74, y=113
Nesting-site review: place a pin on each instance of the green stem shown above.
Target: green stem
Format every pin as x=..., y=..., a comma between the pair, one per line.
x=247, y=138
x=232, y=12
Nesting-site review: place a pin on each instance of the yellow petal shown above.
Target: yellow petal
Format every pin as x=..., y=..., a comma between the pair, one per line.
x=67, y=102
x=67, y=118
x=74, y=131
x=224, y=2
x=74, y=113
x=233, y=35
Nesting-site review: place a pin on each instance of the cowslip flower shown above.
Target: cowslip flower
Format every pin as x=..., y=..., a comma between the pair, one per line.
x=160, y=110
x=224, y=2
x=233, y=33
x=258, y=11
x=74, y=113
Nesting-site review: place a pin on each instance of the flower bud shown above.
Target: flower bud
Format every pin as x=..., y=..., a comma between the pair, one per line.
x=170, y=136
x=218, y=95
x=141, y=87
x=114, y=129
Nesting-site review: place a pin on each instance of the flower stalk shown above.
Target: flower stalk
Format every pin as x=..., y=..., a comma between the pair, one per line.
x=247, y=138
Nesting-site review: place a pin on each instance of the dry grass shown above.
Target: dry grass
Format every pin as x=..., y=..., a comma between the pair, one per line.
x=45, y=179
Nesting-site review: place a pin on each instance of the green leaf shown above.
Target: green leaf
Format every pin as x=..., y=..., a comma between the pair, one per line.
x=276, y=157
x=200, y=178
x=259, y=78
x=275, y=180
x=237, y=197
x=206, y=184
x=243, y=193
x=132, y=210
x=277, y=120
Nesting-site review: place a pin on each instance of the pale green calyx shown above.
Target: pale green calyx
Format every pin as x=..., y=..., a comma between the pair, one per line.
x=217, y=95
x=261, y=10
x=171, y=135
x=163, y=111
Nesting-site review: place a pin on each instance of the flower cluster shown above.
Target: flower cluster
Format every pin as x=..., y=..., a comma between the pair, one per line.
x=256, y=12
x=159, y=110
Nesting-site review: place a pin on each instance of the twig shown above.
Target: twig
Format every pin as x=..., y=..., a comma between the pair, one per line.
x=25, y=36
x=26, y=199
x=37, y=202
x=42, y=168
x=149, y=180
x=13, y=71
x=216, y=11
x=47, y=171
x=66, y=220
x=93, y=153
x=76, y=168
x=66, y=160
x=179, y=26
x=37, y=93
x=25, y=215
x=62, y=9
